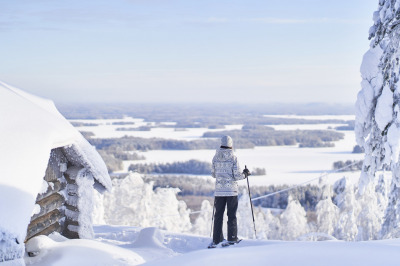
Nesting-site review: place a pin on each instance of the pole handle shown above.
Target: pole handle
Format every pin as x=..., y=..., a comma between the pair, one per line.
x=251, y=203
x=246, y=171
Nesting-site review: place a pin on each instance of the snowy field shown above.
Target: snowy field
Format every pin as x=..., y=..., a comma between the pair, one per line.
x=106, y=129
x=283, y=164
x=316, y=117
x=118, y=245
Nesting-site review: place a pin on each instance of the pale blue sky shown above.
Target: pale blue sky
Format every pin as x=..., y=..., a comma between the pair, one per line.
x=188, y=50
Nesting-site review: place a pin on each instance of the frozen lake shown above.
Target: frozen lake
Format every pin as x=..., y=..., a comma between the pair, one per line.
x=106, y=129
x=284, y=164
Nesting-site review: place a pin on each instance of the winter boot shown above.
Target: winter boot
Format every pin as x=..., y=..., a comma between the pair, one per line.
x=212, y=245
x=230, y=243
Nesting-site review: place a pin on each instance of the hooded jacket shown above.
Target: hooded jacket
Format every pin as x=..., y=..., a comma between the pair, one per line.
x=226, y=171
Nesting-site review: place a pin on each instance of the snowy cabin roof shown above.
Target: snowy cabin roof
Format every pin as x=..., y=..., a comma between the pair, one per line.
x=30, y=127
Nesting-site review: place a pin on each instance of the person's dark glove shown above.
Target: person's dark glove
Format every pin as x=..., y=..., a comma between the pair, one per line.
x=246, y=172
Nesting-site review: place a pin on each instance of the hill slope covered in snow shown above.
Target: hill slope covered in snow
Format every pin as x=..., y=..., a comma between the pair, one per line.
x=134, y=246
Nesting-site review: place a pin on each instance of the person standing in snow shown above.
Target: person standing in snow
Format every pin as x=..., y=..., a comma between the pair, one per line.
x=226, y=171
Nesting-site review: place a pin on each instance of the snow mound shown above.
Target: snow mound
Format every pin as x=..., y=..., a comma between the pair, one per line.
x=39, y=245
x=150, y=237
x=77, y=252
x=114, y=247
x=55, y=236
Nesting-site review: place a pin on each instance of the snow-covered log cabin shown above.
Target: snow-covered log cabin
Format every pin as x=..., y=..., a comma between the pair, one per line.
x=48, y=174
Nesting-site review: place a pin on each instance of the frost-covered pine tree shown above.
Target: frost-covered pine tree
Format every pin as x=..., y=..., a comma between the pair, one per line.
x=339, y=187
x=293, y=220
x=272, y=227
x=244, y=216
x=173, y=213
x=378, y=112
x=346, y=228
x=261, y=225
x=369, y=219
x=134, y=202
x=202, y=224
x=381, y=193
x=327, y=212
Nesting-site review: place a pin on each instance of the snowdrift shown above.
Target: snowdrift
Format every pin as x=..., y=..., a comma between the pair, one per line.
x=30, y=128
x=117, y=245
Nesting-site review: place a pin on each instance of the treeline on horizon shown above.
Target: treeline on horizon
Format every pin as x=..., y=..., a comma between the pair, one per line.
x=193, y=167
x=179, y=126
x=247, y=138
x=206, y=115
x=353, y=165
x=267, y=136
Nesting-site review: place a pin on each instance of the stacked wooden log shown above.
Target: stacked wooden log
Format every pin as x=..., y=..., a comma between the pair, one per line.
x=59, y=203
x=50, y=217
x=67, y=182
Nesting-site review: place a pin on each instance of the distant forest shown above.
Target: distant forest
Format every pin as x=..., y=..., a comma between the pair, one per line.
x=308, y=196
x=347, y=166
x=355, y=165
x=206, y=115
x=193, y=167
x=267, y=136
x=114, y=158
x=247, y=138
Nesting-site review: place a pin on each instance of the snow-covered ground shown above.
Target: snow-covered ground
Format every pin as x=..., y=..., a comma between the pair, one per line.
x=119, y=245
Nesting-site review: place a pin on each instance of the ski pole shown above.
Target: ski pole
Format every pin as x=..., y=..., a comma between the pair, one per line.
x=212, y=220
x=247, y=173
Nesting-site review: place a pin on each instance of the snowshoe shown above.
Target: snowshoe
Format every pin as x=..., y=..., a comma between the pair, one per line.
x=230, y=243
x=212, y=245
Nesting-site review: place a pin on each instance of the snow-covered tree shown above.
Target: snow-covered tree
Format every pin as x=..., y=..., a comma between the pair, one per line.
x=378, y=112
x=244, y=216
x=202, y=224
x=346, y=228
x=293, y=220
x=369, y=219
x=133, y=202
x=261, y=225
x=272, y=225
x=327, y=212
x=339, y=187
x=381, y=193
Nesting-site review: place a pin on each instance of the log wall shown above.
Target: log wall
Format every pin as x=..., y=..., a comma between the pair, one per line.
x=59, y=210
x=51, y=215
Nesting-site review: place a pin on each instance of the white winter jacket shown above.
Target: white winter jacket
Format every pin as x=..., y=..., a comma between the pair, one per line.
x=225, y=168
